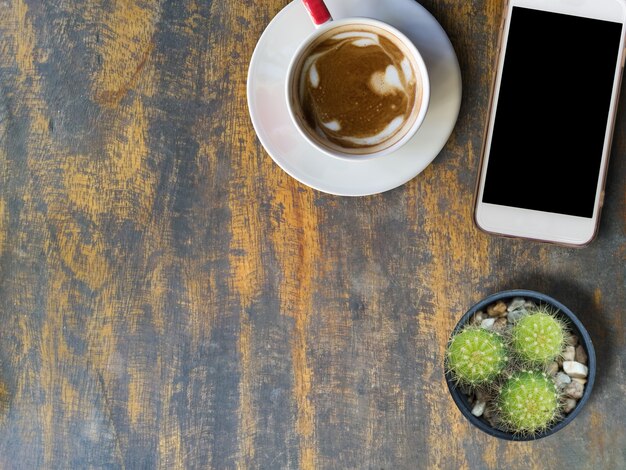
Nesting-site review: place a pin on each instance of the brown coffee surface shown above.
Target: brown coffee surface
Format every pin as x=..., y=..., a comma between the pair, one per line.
x=357, y=88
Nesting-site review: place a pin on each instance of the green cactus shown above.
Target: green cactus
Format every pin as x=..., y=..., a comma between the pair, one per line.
x=538, y=337
x=476, y=356
x=528, y=402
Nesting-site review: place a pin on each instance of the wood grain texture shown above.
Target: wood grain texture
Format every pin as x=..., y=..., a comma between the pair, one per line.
x=169, y=298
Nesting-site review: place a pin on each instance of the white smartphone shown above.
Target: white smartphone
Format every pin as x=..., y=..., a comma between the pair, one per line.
x=553, y=107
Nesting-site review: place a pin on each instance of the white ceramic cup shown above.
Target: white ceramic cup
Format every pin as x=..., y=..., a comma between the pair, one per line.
x=326, y=24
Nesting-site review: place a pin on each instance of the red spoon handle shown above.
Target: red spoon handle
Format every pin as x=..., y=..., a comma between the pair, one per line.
x=318, y=11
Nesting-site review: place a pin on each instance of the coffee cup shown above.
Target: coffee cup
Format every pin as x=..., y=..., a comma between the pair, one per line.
x=356, y=88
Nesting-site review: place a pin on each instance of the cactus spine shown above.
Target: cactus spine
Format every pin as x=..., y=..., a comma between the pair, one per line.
x=538, y=337
x=476, y=356
x=528, y=402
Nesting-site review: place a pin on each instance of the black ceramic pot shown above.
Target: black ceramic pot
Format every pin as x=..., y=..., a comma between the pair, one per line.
x=576, y=328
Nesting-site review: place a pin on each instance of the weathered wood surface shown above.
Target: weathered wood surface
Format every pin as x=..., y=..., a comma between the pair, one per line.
x=170, y=298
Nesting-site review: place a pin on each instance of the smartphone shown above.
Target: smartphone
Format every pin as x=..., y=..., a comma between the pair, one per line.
x=552, y=113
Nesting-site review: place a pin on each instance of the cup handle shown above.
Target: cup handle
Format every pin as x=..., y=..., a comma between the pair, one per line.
x=318, y=11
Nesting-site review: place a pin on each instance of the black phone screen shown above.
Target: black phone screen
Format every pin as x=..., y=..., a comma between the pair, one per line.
x=552, y=112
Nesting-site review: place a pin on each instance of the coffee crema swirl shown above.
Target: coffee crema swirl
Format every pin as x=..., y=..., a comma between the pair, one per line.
x=358, y=89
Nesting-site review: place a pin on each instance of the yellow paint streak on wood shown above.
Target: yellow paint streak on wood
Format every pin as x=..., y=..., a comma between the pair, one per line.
x=142, y=396
x=54, y=350
x=4, y=399
x=120, y=185
x=246, y=280
x=3, y=225
x=247, y=229
x=170, y=435
x=200, y=288
x=125, y=48
x=297, y=246
x=171, y=453
x=247, y=273
x=25, y=336
x=157, y=288
x=24, y=43
x=4, y=213
x=493, y=14
x=82, y=182
x=127, y=170
x=137, y=398
x=101, y=335
x=86, y=260
x=597, y=298
x=246, y=265
x=247, y=412
x=47, y=379
x=499, y=454
x=122, y=174
x=54, y=353
x=596, y=436
x=117, y=186
x=102, y=347
x=491, y=454
x=4, y=392
x=71, y=399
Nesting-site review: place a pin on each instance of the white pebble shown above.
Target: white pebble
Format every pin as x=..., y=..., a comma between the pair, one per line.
x=562, y=379
x=478, y=317
x=569, y=354
x=569, y=405
x=580, y=381
x=487, y=323
x=479, y=408
x=515, y=304
x=575, y=369
x=574, y=390
x=515, y=315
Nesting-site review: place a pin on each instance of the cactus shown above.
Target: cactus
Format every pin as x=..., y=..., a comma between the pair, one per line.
x=476, y=356
x=505, y=371
x=538, y=337
x=528, y=402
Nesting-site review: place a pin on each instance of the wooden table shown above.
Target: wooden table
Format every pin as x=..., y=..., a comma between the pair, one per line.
x=170, y=298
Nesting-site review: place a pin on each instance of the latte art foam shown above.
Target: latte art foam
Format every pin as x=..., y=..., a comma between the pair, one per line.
x=358, y=89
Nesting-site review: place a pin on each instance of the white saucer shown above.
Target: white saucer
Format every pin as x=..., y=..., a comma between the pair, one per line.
x=268, y=106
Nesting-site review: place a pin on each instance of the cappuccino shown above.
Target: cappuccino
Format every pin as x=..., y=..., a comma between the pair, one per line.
x=358, y=89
